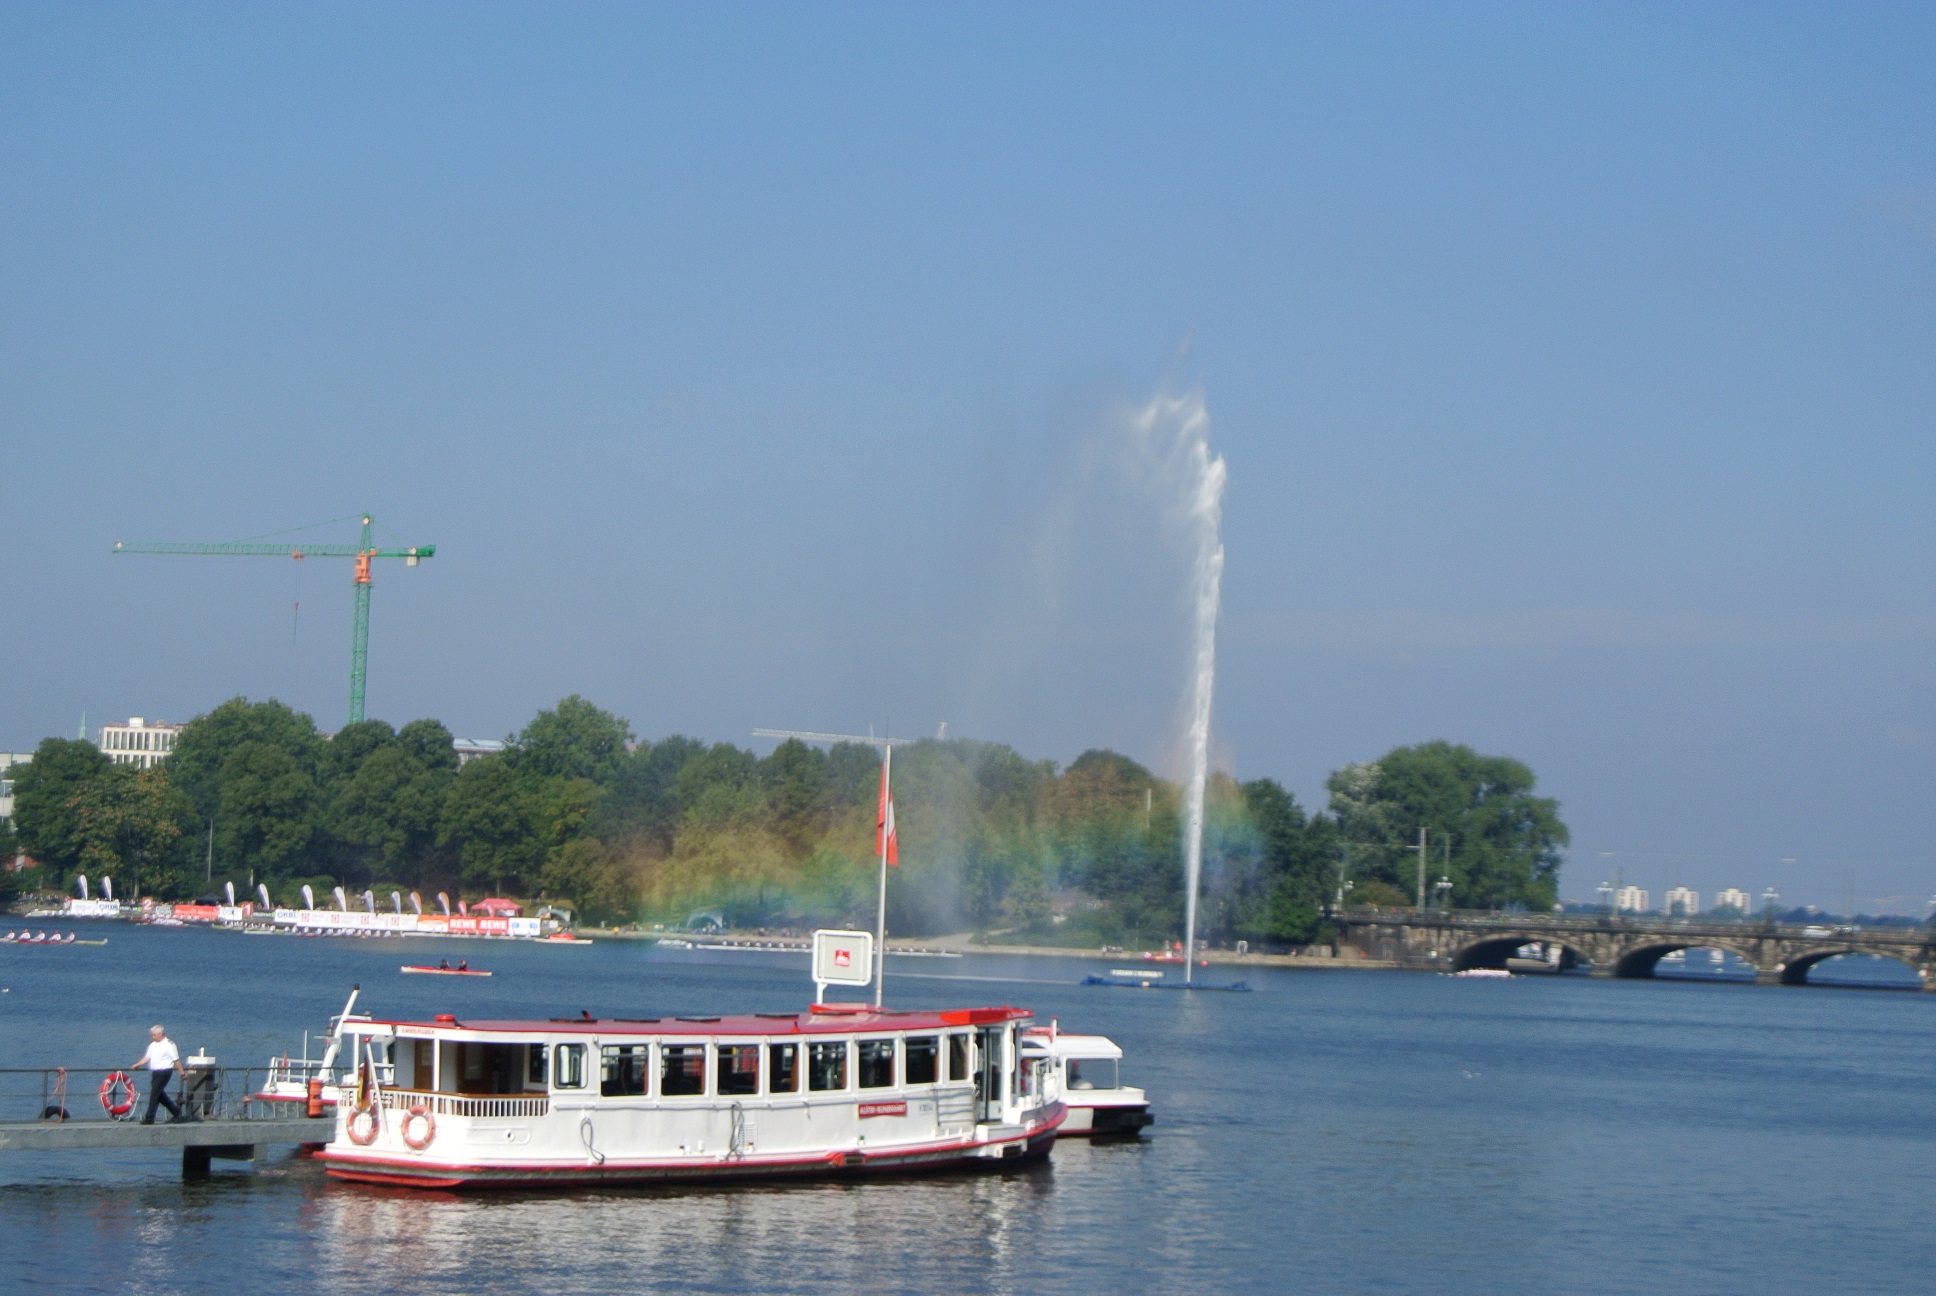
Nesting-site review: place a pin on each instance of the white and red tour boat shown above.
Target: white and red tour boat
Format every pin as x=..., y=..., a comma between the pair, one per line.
x=840, y=1089
x=1086, y=1072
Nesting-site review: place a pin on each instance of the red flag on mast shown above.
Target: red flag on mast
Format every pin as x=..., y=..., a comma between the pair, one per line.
x=884, y=841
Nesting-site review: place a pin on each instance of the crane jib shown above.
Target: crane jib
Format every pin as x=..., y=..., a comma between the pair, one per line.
x=363, y=553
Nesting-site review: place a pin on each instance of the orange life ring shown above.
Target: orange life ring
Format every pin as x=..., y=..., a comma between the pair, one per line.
x=121, y=1079
x=429, y=1128
x=360, y=1115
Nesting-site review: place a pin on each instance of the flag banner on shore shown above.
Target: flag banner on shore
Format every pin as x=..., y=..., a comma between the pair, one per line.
x=884, y=840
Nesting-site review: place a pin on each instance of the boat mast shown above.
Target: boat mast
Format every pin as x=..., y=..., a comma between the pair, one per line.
x=880, y=915
x=887, y=746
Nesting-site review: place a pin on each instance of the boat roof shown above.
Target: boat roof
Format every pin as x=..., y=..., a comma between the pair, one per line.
x=821, y=1019
x=1067, y=1045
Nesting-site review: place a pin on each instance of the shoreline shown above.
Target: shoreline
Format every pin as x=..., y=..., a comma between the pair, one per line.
x=965, y=943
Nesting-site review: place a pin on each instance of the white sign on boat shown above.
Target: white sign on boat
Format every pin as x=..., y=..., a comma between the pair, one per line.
x=842, y=958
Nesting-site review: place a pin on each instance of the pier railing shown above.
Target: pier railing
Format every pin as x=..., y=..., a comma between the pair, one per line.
x=55, y=1095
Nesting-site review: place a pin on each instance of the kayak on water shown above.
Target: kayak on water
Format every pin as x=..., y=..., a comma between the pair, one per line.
x=443, y=971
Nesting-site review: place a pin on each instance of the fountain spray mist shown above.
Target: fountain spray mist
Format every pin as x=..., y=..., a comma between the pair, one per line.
x=1175, y=431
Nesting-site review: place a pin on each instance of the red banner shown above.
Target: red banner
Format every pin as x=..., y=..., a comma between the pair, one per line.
x=882, y=1109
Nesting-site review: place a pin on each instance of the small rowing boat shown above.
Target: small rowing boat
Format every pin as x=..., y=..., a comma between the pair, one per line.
x=420, y=970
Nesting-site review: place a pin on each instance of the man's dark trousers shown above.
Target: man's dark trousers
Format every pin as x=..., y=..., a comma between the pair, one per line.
x=158, y=1095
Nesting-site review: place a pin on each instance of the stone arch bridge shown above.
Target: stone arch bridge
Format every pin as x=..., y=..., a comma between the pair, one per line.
x=1619, y=946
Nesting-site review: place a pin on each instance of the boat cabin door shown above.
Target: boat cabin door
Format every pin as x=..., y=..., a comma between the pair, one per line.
x=990, y=1068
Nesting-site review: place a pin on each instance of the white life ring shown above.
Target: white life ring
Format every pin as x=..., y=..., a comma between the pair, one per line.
x=362, y=1126
x=419, y=1113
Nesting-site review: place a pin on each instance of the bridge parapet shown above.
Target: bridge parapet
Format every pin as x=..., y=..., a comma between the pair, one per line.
x=1616, y=945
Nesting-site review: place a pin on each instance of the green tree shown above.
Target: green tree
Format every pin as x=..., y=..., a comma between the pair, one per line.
x=572, y=740
x=267, y=808
x=1120, y=841
x=641, y=806
x=792, y=778
x=584, y=872
x=1505, y=842
x=387, y=796
x=491, y=820
x=1279, y=901
x=203, y=749
x=46, y=800
x=131, y=827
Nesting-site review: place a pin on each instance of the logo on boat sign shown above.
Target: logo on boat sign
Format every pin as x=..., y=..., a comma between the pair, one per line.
x=843, y=957
x=882, y=1109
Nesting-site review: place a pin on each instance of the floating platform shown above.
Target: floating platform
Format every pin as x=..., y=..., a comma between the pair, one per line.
x=1153, y=981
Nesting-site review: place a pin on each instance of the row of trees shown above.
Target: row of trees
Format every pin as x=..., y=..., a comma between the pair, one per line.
x=576, y=810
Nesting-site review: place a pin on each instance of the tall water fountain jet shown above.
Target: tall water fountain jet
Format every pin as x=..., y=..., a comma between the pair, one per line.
x=1175, y=433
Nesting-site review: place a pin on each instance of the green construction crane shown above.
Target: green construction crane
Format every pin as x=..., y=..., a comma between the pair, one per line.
x=363, y=553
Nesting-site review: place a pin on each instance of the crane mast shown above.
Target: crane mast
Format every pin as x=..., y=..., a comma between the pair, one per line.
x=363, y=552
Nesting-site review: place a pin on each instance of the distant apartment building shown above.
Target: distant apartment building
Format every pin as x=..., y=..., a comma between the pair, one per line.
x=1631, y=899
x=7, y=761
x=138, y=742
x=1682, y=902
x=1733, y=898
x=470, y=749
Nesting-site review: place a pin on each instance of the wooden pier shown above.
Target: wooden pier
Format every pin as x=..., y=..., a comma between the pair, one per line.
x=244, y=1139
x=57, y=1110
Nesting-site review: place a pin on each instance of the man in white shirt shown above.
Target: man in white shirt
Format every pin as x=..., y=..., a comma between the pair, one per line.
x=162, y=1061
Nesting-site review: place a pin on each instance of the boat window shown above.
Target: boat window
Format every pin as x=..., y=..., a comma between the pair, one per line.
x=957, y=1057
x=1093, y=1073
x=739, y=1069
x=682, y=1070
x=782, y=1068
x=827, y=1066
x=470, y=1067
x=622, y=1070
x=922, y=1056
x=535, y=1065
x=876, y=1063
x=568, y=1067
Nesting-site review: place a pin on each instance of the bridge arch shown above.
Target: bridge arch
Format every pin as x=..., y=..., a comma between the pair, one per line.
x=1640, y=960
x=1492, y=951
x=1795, y=970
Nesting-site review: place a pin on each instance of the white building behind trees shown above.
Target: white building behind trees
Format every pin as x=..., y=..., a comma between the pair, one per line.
x=1734, y=898
x=138, y=742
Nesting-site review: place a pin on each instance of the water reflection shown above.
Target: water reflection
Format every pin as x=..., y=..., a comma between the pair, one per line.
x=905, y=1234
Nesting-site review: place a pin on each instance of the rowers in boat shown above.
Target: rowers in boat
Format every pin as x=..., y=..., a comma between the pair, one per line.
x=1085, y=1071
x=443, y=968
x=840, y=1089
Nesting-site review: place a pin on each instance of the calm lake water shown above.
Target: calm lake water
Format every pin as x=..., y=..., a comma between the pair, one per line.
x=1331, y=1132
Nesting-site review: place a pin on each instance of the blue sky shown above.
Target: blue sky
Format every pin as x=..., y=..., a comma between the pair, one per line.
x=752, y=365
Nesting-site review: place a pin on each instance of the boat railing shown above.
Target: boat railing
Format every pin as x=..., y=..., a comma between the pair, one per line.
x=300, y=1071
x=68, y=1094
x=444, y=1104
